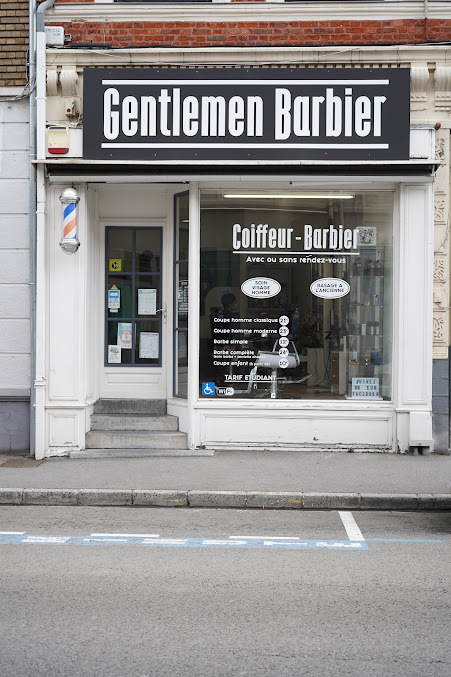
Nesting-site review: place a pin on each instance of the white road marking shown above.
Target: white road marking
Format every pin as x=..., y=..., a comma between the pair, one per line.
x=349, y=523
x=107, y=540
x=46, y=539
x=273, y=538
x=130, y=535
x=12, y=533
x=277, y=542
x=220, y=541
x=167, y=541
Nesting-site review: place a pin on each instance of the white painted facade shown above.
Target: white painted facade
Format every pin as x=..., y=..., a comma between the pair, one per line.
x=14, y=271
x=71, y=375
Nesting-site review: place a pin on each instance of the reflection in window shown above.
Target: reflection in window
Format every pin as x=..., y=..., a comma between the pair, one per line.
x=296, y=295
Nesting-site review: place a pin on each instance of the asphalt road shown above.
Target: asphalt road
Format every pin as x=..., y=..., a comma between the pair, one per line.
x=178, y=596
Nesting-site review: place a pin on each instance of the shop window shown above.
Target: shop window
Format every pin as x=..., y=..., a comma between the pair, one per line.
x=133, y=296
x=296, y=295
x=181, y=242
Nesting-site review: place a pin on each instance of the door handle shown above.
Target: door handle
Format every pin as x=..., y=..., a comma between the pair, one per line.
x=164, y=311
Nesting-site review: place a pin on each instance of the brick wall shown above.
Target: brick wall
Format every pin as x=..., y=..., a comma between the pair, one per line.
x=13, y=42
x=259, y=33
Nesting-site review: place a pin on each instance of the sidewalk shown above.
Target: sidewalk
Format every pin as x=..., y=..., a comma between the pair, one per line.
x=237, y=479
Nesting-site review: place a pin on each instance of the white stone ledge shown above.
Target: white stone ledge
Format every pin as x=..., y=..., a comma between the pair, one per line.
x=263, y=11
x=358, y=56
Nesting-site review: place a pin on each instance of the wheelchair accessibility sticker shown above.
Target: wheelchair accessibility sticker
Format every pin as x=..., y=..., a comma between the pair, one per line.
x=208, y=388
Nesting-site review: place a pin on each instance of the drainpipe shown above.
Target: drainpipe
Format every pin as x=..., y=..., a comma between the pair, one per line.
x=32, y=212
x=37, y=84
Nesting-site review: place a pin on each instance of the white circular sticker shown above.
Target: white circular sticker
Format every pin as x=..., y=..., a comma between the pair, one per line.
x=261, y=287
x=283, y=319
x=283, y=331
x=283, y=352
x=283, y=363
x=283, y=341
x=330, y=288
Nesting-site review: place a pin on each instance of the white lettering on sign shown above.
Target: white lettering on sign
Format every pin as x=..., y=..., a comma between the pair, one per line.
x=213, y=116
x=261, y=236
x=330, y=238
x=348, y=115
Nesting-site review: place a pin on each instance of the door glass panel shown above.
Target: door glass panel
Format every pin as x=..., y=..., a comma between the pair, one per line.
x=182, y=363
x=148, y=251
x=147, y=295
x=181, y=245
x=120, y=248
x=133, y=331
x=119, y=296
x=119, y=344
x=181, y=274
x=148, y=343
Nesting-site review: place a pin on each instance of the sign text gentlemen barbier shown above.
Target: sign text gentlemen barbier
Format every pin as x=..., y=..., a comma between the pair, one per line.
x=193, y=115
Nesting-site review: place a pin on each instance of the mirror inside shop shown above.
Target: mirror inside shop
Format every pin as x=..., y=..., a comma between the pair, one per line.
x=296, y=294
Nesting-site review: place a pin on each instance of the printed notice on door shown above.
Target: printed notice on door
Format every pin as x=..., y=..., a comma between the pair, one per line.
x=147, y=301
x=149, y=345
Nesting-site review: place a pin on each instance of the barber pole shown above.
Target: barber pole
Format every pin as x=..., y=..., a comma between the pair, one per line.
x=69, y=198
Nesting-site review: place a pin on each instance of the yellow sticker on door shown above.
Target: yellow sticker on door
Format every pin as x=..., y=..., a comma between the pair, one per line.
x=115, y=265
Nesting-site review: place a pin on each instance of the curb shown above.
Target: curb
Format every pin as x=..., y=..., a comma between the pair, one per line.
x=263, y=500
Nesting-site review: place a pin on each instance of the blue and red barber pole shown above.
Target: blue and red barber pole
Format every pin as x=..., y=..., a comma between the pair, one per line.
x=69, y=198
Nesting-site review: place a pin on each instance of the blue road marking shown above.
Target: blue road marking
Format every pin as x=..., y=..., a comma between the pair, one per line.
x=162, y=542
x=257, y=542
x=405, y=540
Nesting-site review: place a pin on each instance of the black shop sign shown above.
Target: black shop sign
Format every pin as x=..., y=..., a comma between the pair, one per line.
x=246, y=114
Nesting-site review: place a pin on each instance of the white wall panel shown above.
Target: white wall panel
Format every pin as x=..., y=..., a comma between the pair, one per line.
x=13, y=266
x=14, y=301
x=14, y=111
x=14, y=336
x=296, y=429
x=14, y=231
x=14, y=196
x=129, y=202
x=15, y=164
x=66, y=302
x=14, y=136
x=415, y=294
x=14, y=371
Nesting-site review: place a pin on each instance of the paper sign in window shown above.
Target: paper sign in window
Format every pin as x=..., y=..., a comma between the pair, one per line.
x=114, y=354
x=114, y=299
x=147, y=301
x=149, y=345
x=124, y=335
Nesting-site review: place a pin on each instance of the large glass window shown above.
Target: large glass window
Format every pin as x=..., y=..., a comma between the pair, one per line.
x=296, y=294
x=133, y=297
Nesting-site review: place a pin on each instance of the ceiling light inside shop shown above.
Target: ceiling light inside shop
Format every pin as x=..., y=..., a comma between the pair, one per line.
x=290, y=196
x=265, y=208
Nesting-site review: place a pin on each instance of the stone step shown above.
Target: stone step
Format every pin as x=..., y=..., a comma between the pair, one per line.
x=130, y=407
x=137, y=439
x=139, y=453
x=134, y=422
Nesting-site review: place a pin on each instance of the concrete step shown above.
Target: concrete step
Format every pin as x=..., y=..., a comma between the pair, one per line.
x=130, y=407
x=134, y=422
x=139, y=453
x=137, y=439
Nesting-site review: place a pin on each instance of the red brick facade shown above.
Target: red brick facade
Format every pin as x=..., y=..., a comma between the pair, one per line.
x=259, y=33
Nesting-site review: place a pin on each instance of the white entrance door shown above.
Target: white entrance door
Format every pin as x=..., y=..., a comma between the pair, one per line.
x=135, y=312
